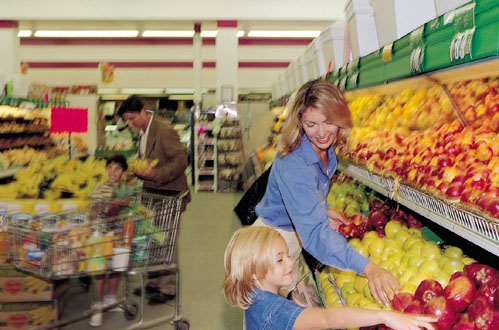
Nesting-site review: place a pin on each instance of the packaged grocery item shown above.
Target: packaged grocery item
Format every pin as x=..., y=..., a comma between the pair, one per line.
x=19, y=286
x=95, y=253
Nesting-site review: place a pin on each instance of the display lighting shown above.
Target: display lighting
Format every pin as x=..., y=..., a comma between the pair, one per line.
x=168, y=34
x=283, y=34
x=86, y=33
x=24, y=33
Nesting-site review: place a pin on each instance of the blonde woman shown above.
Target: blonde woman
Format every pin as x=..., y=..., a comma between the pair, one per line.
x=295, y=200
x=257, y=265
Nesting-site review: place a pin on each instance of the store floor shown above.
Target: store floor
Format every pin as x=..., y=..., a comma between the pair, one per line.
x=206, y=227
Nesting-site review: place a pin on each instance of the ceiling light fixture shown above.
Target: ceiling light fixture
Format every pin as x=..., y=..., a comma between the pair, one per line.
x=213, y=34
x=168, y=34
x=86, y=33
x=24, y=33
x=283, y=34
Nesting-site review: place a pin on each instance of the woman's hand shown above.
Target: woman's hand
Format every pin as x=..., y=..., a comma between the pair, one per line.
x=335, y=219
x=399, y=321
x=383, y=284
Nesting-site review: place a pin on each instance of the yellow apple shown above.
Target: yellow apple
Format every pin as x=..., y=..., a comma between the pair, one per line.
x=332, y=301
x=402, y=236
x=415, y=232
x=356, y=243
x=366, y=242
x=323, y=276
x=342, y=279
x=442, y=278
x=406, y=276
x=430, y=251
x=467, y=260
x=415, y=262
x=392, y=228
x=452, y=266
x=410, y=241
x=377, y=247
x=386, y=265
x=453, y=252
x=347, y=289
x=359, y=283
x=352, y=298
x=370, y=234
x=361, y=302
x=416, y=247
x=429, y=266
x=406, y=257
x=409, y=288
x=393, y=246
x=418, y=278
x=442, y=261
x=372, y=306
x=396, y=257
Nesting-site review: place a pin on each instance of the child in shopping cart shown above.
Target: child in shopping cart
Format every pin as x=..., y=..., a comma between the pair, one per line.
x=257, y=265
x=116, y=167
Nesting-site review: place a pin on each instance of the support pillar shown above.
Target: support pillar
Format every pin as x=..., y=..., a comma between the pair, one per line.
x=9, y=50
x=226, y=61
x=197, y=64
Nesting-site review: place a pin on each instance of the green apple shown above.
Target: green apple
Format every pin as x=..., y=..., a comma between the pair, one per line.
x=453, y=252
x=430, y=251
x=429, y=266
x=367, y=292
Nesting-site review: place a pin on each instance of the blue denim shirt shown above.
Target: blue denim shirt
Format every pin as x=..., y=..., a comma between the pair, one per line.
x=295, y=199
x=271, y=312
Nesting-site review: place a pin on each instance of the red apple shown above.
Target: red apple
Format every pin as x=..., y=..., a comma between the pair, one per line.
x=480, y=273
x=416, y=307
x=488, y=290
x=381, y=231
x=496, y=299
x=493, y=208
x=463, y=323
x=377, y=218
x=413, y=222
x=345, y=229
x=375, y=204
x=459, y=292
x=440, y=308
x=456, y=275
x=454, y=191
x=428, y=290
x=483, y=315
x=401, y=300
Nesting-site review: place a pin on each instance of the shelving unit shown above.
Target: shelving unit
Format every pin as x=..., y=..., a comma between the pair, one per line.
x=470, y=226
x=230, y=157
x=205, y=155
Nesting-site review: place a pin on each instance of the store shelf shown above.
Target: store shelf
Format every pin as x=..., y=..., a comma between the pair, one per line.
x=468, y=225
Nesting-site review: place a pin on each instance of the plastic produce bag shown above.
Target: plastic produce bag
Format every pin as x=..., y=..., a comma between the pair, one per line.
x=245, y=209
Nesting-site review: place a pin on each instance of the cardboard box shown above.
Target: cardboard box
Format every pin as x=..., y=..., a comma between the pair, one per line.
x=396, y=18
x=18, y=286
x=28, y=315
x=361, y=27
x=332, y=42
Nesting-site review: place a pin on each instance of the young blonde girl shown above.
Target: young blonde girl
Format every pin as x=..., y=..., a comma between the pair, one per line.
x=257, y=265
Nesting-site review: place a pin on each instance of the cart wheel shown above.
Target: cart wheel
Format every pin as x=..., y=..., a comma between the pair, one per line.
x=131, y=311
x=181, y=325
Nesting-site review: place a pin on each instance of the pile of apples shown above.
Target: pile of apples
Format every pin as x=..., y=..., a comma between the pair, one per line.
x=447, y=160
x=469, y=302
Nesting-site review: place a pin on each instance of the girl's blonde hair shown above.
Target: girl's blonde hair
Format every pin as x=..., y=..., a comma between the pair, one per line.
x=249, y=255
x=325, y=97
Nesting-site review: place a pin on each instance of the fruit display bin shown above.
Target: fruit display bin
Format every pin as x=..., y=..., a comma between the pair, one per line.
x=472, y=225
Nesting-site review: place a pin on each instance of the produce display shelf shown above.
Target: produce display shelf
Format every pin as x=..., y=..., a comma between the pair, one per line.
x=9, y=172
x=468, y=225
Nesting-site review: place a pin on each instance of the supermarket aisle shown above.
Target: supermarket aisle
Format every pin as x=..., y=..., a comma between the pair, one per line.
x=205, y=230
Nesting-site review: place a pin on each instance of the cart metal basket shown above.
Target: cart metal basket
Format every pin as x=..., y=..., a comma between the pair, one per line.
x=135, y=236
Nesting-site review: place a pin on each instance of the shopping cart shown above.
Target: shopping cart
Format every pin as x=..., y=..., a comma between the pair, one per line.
x=136, y=236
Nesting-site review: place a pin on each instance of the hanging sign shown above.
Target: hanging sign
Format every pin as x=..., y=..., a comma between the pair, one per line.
x=106, y=72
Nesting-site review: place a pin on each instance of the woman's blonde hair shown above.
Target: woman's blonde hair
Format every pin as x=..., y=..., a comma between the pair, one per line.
x=249, y=255
x=325, y=97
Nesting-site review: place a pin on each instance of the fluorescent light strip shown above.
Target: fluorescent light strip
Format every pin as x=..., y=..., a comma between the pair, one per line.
x=142, y=90
x=86, y=33
x=283, y=34
x=167, y=33
x=24, y=33
x=213, y=34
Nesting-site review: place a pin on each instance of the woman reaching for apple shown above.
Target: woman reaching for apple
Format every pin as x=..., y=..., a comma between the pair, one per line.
x=295, y=200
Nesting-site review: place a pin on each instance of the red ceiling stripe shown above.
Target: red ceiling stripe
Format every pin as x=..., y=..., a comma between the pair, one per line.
x=92, y=65
x=9, y=24
x=226, y=24
x=274, y=41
